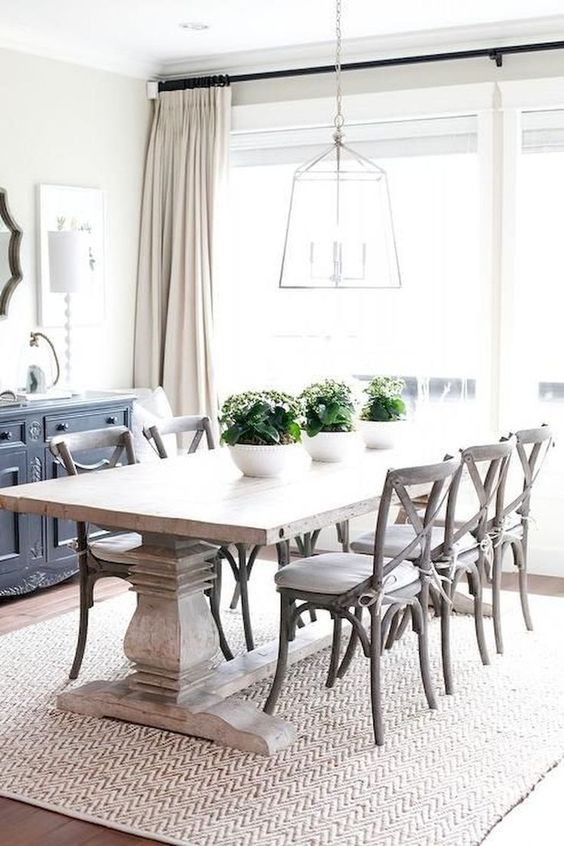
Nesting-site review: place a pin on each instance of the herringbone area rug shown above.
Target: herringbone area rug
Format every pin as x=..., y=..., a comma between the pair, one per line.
x=442, y=778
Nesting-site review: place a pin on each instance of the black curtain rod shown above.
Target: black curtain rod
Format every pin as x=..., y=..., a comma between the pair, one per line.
x=496, y=54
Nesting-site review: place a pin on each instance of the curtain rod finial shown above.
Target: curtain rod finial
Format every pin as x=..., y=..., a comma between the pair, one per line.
x=152, y=89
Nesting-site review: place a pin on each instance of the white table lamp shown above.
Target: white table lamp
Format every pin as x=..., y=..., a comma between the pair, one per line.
x=69, y=273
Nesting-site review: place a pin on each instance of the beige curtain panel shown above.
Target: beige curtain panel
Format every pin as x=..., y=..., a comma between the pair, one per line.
x=183, y=196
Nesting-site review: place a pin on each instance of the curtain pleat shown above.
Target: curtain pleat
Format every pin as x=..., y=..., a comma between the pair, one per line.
x=185, y=179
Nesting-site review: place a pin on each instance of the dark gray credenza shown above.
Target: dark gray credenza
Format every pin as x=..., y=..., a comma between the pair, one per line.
x=34, y=551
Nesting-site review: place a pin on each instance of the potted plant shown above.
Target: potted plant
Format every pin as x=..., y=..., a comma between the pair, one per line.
x=263, y=432
x=328, y=409
x=383, y=412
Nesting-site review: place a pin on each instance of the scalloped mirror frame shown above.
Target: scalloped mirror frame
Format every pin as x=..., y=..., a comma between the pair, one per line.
x=8, y=287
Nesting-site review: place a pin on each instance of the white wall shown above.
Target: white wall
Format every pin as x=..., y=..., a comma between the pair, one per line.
x=69, y=125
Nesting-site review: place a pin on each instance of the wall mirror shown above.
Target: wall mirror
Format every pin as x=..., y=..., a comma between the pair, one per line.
x=10, y=262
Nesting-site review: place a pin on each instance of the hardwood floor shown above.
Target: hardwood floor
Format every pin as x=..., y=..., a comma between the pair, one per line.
x=44, y=604
x=26, y=825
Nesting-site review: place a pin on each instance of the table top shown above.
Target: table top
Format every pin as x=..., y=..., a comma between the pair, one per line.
x=205, y=496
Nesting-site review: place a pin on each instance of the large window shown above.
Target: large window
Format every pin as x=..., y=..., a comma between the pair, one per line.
x=535, y=369
x=430, y=331
x=538, y=299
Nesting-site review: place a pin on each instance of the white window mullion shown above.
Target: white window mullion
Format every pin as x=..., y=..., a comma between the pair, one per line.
x=510, y=400
x=488, y=342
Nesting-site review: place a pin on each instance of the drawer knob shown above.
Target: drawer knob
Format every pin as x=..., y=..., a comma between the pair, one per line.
x=62, y=427
x=6, y=436
x=111, y=420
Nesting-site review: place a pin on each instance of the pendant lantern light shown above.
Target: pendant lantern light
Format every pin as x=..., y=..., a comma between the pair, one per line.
x=340, y=231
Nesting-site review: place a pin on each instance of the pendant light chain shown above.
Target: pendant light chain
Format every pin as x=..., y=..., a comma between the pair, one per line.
x=339, y=119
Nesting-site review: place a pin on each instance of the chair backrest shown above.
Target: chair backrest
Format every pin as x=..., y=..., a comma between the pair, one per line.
x=486, y=466
x=439, y=478
x=180, y=426
x=66, y=447
x=533, y=446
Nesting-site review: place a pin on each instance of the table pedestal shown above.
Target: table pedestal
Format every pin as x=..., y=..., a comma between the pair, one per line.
x=179, y=682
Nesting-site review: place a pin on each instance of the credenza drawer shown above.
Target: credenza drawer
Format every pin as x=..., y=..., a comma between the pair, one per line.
x=12, y=433
x=83, y=422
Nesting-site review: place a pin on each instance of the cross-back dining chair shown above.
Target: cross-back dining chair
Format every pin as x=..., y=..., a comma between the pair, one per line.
x=193, y=424
x=103, y=557
x=511, y=526
x=459, y=544
x=468, y=549
x=342, y=583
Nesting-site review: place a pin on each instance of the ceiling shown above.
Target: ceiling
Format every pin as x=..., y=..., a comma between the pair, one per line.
x=143, y=37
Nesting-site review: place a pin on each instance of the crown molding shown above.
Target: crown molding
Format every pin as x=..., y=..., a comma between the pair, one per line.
x=358, y=49
x=25, y=41
x=373, y=47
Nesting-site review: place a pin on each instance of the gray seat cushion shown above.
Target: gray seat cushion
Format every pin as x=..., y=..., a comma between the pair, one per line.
x=114, y=547
x=514, y=526
x=338, y=572
x=400, y=535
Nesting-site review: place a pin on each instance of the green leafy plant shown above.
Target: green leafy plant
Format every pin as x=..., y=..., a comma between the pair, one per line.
x=262, y=418
x=328, y=406
x=384, y=401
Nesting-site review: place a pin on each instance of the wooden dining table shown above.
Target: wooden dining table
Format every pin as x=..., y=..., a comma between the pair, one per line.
x=182, y=507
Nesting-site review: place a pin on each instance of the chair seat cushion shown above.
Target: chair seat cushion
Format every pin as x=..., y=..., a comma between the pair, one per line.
x=335, y=573
x=400, y=535
x=514, y=526
x=114, y=547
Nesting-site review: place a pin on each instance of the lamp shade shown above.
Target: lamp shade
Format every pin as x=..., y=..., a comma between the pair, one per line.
x=69, y=268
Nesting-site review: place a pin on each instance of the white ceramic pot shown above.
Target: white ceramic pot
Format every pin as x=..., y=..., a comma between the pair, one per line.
x=380, y=434
x=267, y=461
x=331, y=446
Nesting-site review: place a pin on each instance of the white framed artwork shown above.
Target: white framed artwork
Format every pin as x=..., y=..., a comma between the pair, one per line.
x=61, y=208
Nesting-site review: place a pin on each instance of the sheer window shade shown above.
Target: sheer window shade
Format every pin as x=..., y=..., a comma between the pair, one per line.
x=383, y=140
x=543, y=131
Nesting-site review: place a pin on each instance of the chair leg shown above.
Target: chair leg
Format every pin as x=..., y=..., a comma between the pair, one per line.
x=235, y=598
x=215, y=608
x=422, y=631
x=245, y=607
x=284, y=556
x=496, y=598
x=392, y=633
x=436, y=602
x=308, y=547
x=520, y=560
x=476, y=589
x=282, y=664
x=375, y=676
x=86, y=603
x=351, y=646
x=446, y=611
x=335, y=651
x=283, y=553
x=407, y=615
x=343, y=535
x=237, y=589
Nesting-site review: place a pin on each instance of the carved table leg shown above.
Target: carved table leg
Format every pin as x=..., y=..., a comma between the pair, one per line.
x=179, y=681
